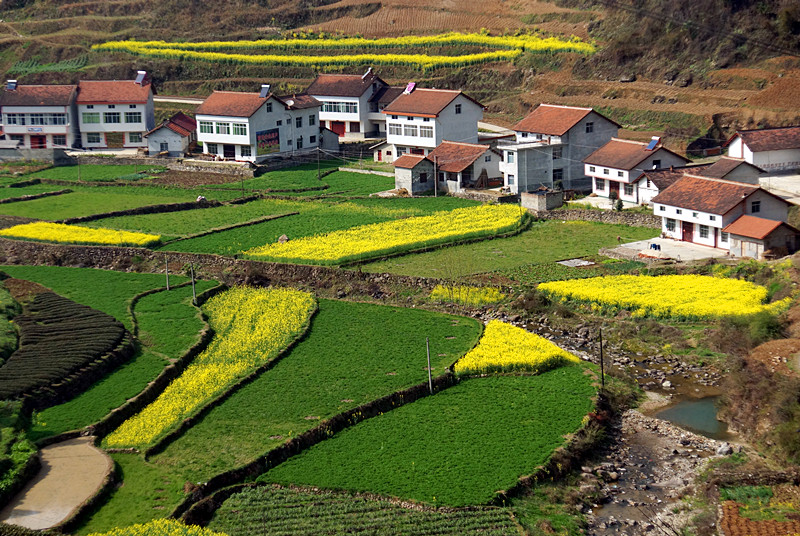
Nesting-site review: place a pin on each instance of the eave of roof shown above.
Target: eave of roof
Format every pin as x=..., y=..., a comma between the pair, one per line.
x=755, y=227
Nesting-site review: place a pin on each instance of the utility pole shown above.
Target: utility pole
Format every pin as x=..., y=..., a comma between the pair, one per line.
x=166, y=269
x=430, y=379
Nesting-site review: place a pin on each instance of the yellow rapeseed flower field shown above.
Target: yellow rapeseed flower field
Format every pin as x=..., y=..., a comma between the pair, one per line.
x=251, y=327
x=160, y=527
x=374, y=240
x=667, y=296
x=466, y=295
x=506, y=348
x=73, y=234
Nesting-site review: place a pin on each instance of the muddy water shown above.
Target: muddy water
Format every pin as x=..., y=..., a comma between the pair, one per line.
x=696, y=415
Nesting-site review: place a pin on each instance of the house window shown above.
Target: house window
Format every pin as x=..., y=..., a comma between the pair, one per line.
x=15, y=119
x=678, y=211
x=132, y=106
x=723, y=237
x=510, y=157
x=589, y=127
x=245, y=151
x=670, y=225
x=712, y=218
x=37, y=119
x=355, y=126
x=269, y=107
x=628, y=188
x=17, y=137
x=401, y=151
x=524, y=134
x=395, y=129
x=134, y=137
x=458, y=108
x=426, y=132
x=605, y=171
x=223, y=128
x=206, y=127
x=312, y=139
x=487, y=158
x=92, y=137
x=662, y=208
x=426, y=119
x=279, y=122
x=423, y=177
x=557, y=151
x=510, y=180
x=410, y=118
x=90, y=106
x=133, y=117
x=112, y=106
x=212, y=148
x=56, y=119
x=163, y=146
x=409, y=130
x=298, y=122
x=394, y=117
x=59, y=140
x=755, y=207
x=600, y=185
x=620, y=174
x=300, y=142
x=111, y=117
x=240, y=129
x=694, y=214
x=656, y=164
x=591, y=169
x=91, y=117
x=441, y=176
x=558, y=175
x=312, y=120
x=704, y=231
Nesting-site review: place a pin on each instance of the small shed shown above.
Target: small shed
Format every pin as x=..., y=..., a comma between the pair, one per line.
x=173, y=136
x=751, y=236
x=413, y=172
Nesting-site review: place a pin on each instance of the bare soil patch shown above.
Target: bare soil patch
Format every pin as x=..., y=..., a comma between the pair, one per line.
x=779, y=355
x=24, y=290
x=189, y=179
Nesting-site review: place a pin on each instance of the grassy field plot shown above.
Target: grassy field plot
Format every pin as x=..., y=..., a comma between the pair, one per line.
x=455, y=448
x=294, y=178
x=348, y=184
x=547, y=241
x=8, y=193
x=269, y=510
x=96, y=172
x=551, y=271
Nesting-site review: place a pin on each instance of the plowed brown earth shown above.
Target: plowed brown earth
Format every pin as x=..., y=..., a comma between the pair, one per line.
x=23, y=290
x=192, y=178
x=733, y=524
x=783, y=94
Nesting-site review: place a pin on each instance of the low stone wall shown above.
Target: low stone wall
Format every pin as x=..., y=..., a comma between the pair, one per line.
x=176, y=164
x=151, y=209
x=601, y=216
x=367, y=171
x=485, y=197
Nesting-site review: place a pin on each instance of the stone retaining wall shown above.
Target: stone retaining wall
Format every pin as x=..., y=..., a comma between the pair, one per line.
x=176, y=164
x=602, y=216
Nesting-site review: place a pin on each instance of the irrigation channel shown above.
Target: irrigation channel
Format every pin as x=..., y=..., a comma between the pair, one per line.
x=655, y=452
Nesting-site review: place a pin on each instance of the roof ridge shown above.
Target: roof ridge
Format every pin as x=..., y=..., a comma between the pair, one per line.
x=634, y=142
x=465, y=143
x=566, y=106
x=724, y=181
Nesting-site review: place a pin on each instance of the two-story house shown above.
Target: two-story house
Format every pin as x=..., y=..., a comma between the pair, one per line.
x=616, y=166
x=252, y=126
x=704, y=210
x=350, y=104
x=39, y=116
x=418, y=120
x=549, y=146
x=771, y=149
x=115, y=113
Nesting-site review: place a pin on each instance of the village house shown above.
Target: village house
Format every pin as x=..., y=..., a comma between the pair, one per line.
x=771, y=149
x=549, y=146
x=39, y=116
x=708, y=211
x=172, y=137
x=616, y=166
x=253, y=126
x=419, y=120
x=451, y=167
x=351, y=104
x=115, y=113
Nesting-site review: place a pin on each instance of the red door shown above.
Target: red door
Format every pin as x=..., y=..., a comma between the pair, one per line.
x=613, y=186
x=380, y=155
x=687, y=229
x=38, y=142
x=338, y=127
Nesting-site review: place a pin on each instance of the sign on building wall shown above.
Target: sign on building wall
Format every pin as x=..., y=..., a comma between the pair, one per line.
x=268, y=141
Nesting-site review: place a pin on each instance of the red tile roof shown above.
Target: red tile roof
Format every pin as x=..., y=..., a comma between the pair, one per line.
x=705, y=195
x=112, y=91
x=408, y=161
x=299, y=101
x=454, y=157
x=663, y=178
x=753, y=227
x=184, y=121
x=38, y=96
x=553, y=120
x=232, y=103
x=624, y=154
x=425, y=102
x=342, y=85
x=769, y=139
x=387, y=94
x=725, y=165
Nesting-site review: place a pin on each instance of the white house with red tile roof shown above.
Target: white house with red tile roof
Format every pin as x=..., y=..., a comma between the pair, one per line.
x=253, y=126
x=173, y=136
x=351, y=104
x=39, y=116
x=617, y=166
x=450, y=167
x=549, y=146
x=701, y=209
x=115, y=113
x=754, y=237
x=419, y=120
x=771, y=149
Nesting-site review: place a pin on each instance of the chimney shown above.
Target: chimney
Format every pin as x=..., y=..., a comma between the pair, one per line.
x=11, y=85
x=264, y=91
x=409, y=88
x=365, y=75
x=140, y=77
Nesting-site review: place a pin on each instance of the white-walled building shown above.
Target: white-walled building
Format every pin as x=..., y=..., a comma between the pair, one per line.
x=700, y=209
x=771, y=149
x=617, y=165
x=549, y=146
x=350, y=104
x=252, y=126
x=115, y=113
x=419, y=120
x=456, y=166
x=173, y=136
x=39, y=116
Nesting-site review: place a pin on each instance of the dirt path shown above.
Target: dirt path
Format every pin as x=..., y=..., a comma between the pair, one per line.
x=72, y=471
